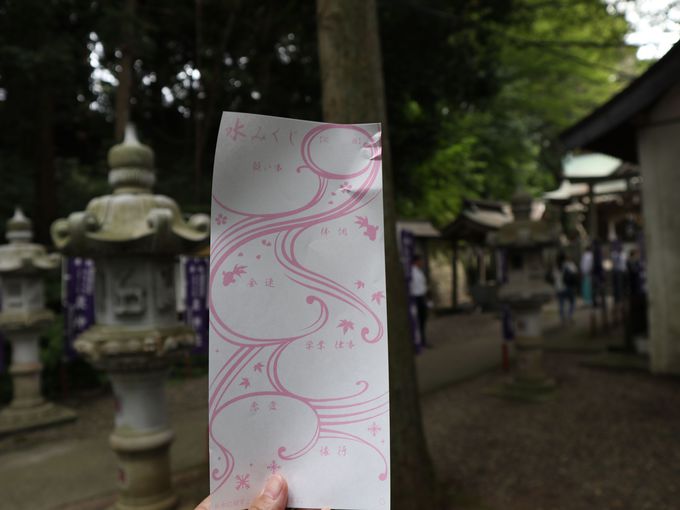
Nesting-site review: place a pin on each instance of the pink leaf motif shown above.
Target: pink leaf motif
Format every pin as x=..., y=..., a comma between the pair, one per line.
x=245, y=382
x=360, y=284
x=371, y=230
x=229, y=277
x=242, y=482
x=346, y=188
x=258, y=367
x=346, y=325
x=378, y=296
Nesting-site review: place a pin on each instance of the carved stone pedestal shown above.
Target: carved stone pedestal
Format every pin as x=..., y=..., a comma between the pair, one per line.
x=530, y=380
x=141, y=440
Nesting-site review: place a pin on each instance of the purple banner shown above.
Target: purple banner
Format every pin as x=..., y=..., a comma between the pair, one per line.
x=196, y=272
x=407, y=244
x=2, y=342
x=78, y=281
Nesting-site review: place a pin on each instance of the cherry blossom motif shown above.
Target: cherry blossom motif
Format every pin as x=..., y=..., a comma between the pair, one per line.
x=240, y=254
x=266, y=243
x=245, y=382
x=258, y=257
x=345, y=188
x=258, y=367
x=360, y=284
x=220, y=219
x=346, y=325
x=229, y=277
x=374, y=429
x=273, y=467
x=371, y=230
x=378, y=296
x=243, y=481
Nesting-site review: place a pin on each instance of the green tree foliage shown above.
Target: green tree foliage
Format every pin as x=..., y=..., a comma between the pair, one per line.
x=476, y=90
x=44, y=76
x=554, y=62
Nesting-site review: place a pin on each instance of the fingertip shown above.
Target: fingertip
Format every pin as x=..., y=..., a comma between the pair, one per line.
x=275, y=486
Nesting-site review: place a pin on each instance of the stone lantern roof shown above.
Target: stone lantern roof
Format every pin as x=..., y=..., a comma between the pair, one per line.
x=20, y=255
x=131, y=220
x=524, y=232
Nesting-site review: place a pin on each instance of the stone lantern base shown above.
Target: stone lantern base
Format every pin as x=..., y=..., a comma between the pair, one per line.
x=530, y=382
x=17, y=419
x=28, y=409
x=136, y=361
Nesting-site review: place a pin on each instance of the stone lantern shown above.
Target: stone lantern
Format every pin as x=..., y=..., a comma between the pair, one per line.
x=23, y=265
x=525, y=243
x=134, y=238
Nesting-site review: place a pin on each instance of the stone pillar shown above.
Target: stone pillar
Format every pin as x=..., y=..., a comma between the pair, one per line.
x=22, y=319
x=592, y=213
x=529, y=346
x=141, y=439
x=454, y=276
x=481, y=264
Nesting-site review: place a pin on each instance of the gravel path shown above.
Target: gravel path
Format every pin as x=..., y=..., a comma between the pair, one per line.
x=607, y=440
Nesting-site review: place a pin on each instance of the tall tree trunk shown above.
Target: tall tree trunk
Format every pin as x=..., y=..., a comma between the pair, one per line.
x=353, y=92
x=125, y=76
x=45, y=185
x=211, y=82
x=198, y=113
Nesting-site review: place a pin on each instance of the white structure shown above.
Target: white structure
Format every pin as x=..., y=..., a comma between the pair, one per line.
x=640, y=125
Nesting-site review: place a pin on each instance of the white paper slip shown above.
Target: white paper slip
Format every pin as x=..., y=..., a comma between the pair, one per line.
x=298, y=335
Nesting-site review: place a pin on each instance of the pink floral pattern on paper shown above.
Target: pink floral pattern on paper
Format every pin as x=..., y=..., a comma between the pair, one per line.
x=334, y=415
x=242, y=482
x=346, y=325
x=371, y=231
x=377, y=297
x=229, y=277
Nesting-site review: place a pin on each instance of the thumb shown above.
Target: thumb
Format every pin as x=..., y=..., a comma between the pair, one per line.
x=274, y=496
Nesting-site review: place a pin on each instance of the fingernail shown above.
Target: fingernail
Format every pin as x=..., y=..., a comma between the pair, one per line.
x=273, y=487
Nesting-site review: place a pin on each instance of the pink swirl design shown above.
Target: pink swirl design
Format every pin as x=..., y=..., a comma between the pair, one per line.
x=332, y=413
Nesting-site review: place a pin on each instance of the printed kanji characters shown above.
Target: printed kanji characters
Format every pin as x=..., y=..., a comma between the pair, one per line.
x=236, y=131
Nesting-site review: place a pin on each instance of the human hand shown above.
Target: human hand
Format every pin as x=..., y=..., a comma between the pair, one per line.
x=274, y=496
